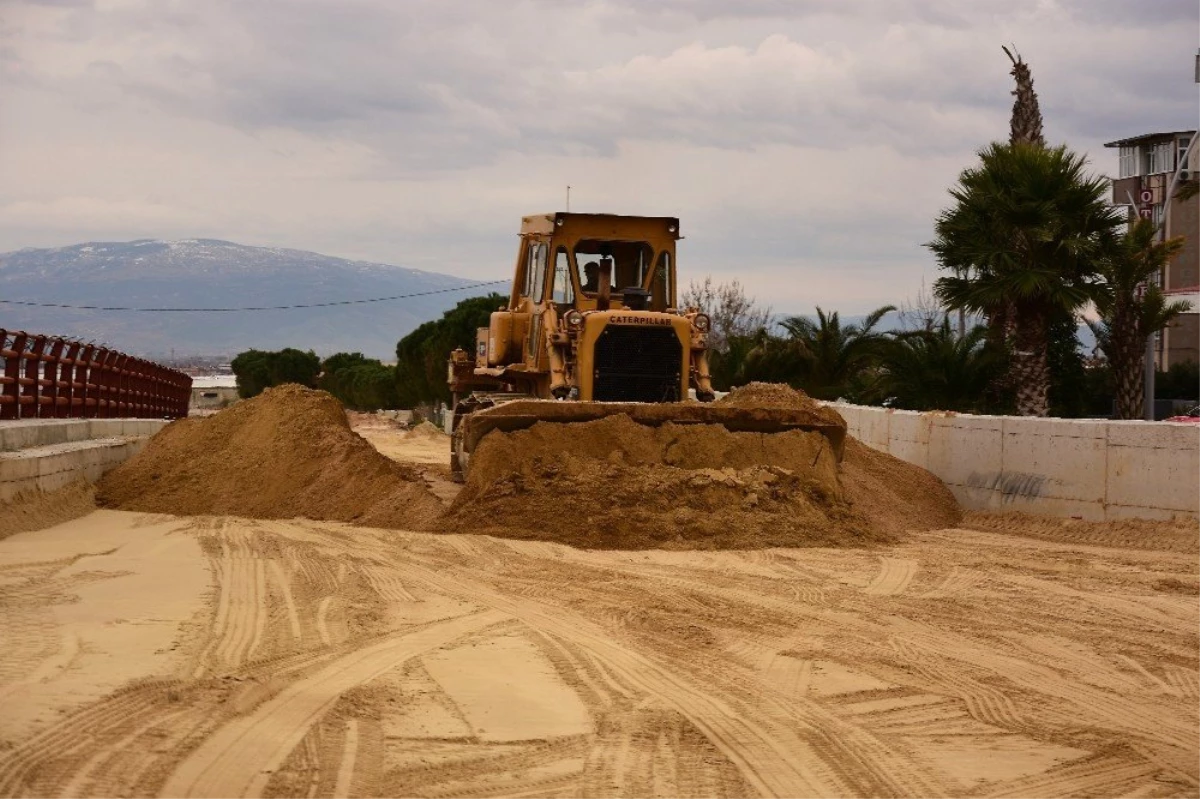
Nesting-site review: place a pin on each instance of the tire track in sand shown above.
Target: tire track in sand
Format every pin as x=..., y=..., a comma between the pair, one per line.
x=238, y=758
x=894, y=576
x=285, y=588
x=1104, y=774
x=67, y=741
x=777, y=756
x=345, y=773
x=241, y=606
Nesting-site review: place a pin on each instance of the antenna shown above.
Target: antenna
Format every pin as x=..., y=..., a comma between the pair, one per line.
x=568, y=198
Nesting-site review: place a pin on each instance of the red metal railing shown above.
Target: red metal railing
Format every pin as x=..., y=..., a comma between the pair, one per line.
x=49, y=377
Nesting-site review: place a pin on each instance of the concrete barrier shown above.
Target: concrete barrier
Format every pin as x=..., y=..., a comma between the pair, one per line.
x=48, y=454
x=26, y=433
x=1093, y=469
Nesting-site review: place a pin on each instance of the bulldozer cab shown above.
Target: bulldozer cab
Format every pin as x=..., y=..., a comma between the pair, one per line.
x=587, y=262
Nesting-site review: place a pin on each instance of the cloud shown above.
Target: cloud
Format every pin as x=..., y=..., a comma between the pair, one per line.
x=802, y=144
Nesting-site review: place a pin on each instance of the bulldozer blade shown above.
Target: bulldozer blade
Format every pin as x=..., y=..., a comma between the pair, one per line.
x=521, y=414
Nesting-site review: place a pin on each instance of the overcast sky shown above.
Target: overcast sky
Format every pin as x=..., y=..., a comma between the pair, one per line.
x=805, y=144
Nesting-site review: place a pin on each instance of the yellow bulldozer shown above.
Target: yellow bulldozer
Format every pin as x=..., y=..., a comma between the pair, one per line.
x=592, y=328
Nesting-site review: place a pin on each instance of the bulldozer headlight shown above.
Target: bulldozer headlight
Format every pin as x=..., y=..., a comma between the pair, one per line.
x=574, y=319
x=702, y=322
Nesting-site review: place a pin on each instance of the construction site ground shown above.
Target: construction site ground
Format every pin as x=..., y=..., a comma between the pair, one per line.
x=159, y=655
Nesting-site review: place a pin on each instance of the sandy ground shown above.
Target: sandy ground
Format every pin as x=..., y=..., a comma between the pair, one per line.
x=149, y=655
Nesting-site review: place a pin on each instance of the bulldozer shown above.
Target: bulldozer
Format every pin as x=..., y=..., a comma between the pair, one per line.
x=592, y=328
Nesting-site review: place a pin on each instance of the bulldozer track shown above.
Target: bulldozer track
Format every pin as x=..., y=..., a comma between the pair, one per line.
x=233, y=761
x=308, y=668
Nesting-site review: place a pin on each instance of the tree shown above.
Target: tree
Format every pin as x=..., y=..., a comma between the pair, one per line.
x=724, y=366
x=252, y=372
x=360, y=383
x=1066, y=395
x=821, y=356
x=1021, y=240
x=771, y=359
x=421, y=356
x=733, y=314
x=935, y=369
x=922, y=312
x=257, y=370
x=1132, y=307
x=1181, y=381
x=1025, y=123
x=1025, y=127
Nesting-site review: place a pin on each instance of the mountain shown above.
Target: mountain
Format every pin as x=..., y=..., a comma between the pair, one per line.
x=209, y=273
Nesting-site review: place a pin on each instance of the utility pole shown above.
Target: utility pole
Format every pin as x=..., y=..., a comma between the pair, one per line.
x=568, y=198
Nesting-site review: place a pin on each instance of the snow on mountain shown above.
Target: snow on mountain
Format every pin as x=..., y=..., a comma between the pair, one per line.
x=211, y=273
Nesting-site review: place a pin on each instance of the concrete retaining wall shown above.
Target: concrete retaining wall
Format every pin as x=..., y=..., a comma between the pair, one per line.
x=1096, y=470
x=26, y=433
x=48, y=454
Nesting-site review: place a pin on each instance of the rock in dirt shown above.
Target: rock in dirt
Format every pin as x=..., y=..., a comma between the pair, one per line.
x=288, y=452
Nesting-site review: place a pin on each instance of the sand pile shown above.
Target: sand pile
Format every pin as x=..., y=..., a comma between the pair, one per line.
x=427, y=430
x=893, y=495
x=779, y=395
x=613, y=483
x=38, y=510
x=288, y=452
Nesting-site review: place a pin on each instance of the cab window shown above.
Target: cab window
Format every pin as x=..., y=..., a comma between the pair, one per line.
x=535, y=271
x=662, y=292
x=563, y=289
x=630, y=262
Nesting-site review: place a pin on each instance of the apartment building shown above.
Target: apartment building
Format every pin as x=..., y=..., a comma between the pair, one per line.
x=1146, y=166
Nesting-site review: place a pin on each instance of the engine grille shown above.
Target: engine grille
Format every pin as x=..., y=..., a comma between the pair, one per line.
x=637, y=364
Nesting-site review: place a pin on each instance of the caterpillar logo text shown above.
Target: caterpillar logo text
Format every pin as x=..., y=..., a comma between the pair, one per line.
x=638, y=320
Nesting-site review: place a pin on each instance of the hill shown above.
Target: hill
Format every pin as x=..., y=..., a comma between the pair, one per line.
x=211, y=273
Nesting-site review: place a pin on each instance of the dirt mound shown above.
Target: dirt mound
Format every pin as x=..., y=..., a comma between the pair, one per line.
x=38, y=510
x=426, y=430
x=780, y=396
x=613, y=483
x=285, y=453
x=770, y=395
x=893, y=495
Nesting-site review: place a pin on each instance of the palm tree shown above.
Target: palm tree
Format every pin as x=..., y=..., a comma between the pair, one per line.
x=772, y=359
x=939, y=370
x=832, y=360
x=1128, y=262
x=1022, y=236
x=1025, y=125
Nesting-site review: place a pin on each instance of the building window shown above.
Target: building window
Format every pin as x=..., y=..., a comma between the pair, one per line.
x=1183, y=142
x=1158, y=158
x=1129, y=162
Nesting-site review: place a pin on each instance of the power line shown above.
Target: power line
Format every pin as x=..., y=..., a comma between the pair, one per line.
x=247, y=308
